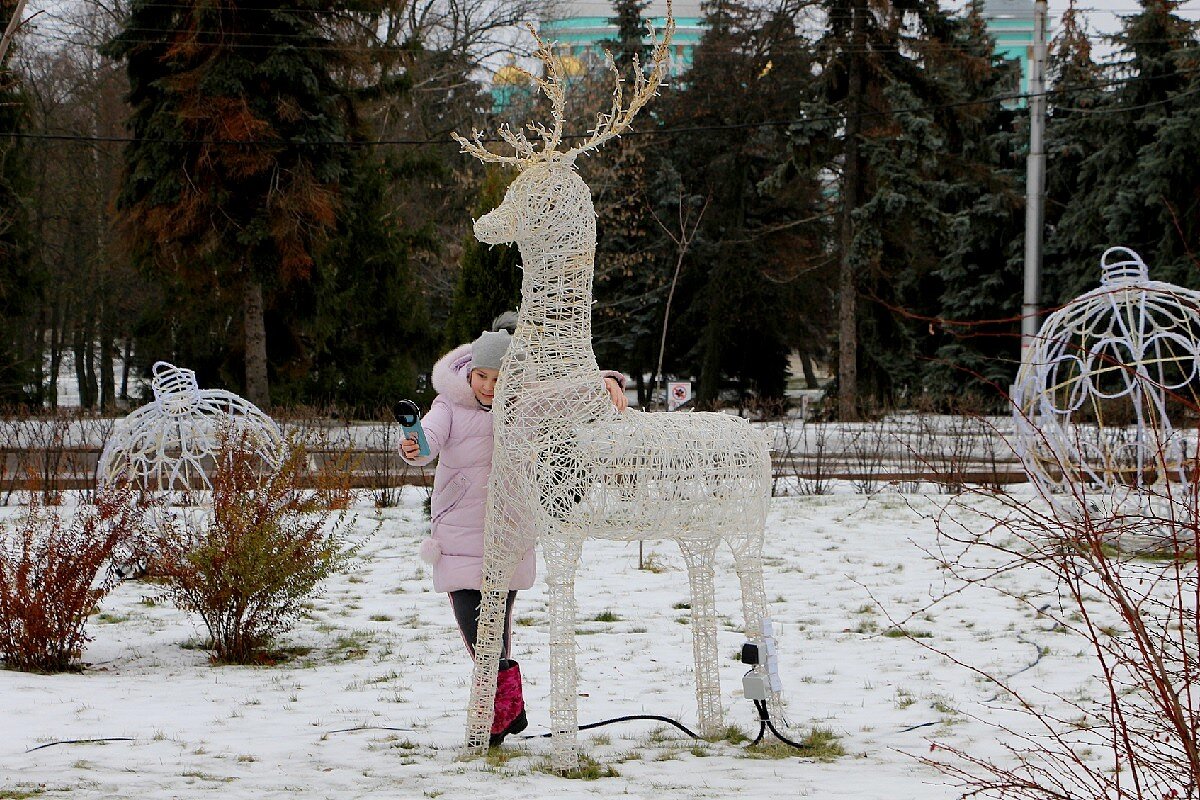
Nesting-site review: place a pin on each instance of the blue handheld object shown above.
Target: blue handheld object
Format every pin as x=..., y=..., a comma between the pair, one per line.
x=409, y=417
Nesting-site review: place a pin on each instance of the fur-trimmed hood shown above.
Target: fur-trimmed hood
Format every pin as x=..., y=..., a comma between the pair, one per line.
x=451, y=377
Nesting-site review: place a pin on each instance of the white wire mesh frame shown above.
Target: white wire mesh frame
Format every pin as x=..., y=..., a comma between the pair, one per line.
x=169, y=444
x=1103, y=397
x=567, y=467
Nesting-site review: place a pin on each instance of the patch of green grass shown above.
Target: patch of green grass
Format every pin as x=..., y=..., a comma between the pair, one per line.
x=821, y=744
x=734, y=735
x=904, y=698
x=204, y=776
x=404, y=744
x=21, y=794
x=499, y=756
x=905, y=633
x=942, y=705
x=526, y=621
x=866, y=626
x=681, y=605
x=353, y=645
x=589, y=769
x=379, y=618
x=607, y=616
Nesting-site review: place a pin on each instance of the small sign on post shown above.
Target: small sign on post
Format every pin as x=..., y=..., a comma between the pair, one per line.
x=679, y=393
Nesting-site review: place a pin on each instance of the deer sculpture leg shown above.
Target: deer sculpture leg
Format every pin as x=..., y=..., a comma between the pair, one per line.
x=699, y=555
x=747, y=561
x=488, y=643
x=561, y=553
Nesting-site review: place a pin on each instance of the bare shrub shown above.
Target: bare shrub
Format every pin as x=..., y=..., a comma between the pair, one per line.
x=55, y=566
x=246, y=567
x=868, y=450
x=1127, y=586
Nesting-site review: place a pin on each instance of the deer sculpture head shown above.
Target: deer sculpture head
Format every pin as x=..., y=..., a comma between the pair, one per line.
x=548, y=205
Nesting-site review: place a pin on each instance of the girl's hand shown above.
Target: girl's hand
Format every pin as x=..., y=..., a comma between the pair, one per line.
x=409, y=448
x=617, y=394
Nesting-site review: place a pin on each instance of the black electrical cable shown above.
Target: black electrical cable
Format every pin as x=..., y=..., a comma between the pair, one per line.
x=629, y=718
x=764, y=722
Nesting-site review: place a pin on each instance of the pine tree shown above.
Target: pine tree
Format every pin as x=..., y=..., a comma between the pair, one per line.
x=630, y=284
x=234, y=178
x=916, y=89
x=1072, y=136
x=18, y=283
x=736, y=298
x=1136, y=181
x=367, y=337
x=489, y=280
x=981, y=270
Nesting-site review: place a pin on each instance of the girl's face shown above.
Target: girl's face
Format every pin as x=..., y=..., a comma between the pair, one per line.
x=483, y=383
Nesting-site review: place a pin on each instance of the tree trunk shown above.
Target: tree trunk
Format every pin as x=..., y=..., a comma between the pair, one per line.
x=128, y=351
x=255, y=332
x=107, y=359
x=58, y=324
x=810, y=375
x=851, y=179
x=79, y=346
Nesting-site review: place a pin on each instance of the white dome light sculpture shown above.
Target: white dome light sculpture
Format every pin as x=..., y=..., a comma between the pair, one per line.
x=169, y=443
x=567, y=467
x=1106, y=398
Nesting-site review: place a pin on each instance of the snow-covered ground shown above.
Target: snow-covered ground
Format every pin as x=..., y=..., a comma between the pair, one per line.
x=373, y=703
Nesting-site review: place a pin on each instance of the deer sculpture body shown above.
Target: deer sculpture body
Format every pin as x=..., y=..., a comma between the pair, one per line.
x=567, y=467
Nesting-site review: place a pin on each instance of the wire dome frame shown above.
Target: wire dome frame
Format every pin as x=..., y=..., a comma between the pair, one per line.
x=1105, y=402
x=169, y=444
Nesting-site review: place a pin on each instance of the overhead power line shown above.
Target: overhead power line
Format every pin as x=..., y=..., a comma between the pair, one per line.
x=1003, y=98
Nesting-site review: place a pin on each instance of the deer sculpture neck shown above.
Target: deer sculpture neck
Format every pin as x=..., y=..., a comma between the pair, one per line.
x=548, y=213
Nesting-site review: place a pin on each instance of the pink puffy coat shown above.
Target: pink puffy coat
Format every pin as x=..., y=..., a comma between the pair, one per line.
x=459, y=432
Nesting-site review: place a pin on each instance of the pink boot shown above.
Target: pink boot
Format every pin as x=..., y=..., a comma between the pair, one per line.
x=510, y=705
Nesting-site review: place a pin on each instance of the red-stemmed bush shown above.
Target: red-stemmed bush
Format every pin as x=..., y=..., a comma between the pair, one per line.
x=56, y=564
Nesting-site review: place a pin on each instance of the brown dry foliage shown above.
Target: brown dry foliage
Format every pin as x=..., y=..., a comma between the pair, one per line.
x=55, y=566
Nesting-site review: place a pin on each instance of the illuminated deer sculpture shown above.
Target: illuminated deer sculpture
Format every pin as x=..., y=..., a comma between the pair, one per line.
x=567, y=466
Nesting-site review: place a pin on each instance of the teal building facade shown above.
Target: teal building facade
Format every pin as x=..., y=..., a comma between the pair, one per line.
x=584, y=25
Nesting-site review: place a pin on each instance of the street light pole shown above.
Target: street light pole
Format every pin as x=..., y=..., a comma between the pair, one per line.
x=1035, y=180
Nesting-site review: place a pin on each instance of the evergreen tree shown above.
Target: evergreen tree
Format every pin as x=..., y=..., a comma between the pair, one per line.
x=1136, y=187
x=235, y=177
x=737, y=299
x=981, y=271
x=1072, y=136
x=18, y=285
x=917, y=158
x=489, y=280
x=630, y=284
x=364, y=332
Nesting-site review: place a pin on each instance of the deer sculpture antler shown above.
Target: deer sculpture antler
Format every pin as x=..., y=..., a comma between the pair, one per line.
x=553, y=84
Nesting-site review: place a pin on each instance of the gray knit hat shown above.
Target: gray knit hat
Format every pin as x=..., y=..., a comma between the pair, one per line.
x=488, y=349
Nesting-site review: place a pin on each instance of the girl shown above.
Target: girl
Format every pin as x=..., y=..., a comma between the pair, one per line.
x=458, y=429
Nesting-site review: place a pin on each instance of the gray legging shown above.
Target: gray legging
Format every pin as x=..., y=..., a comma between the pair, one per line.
x=465, y=603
